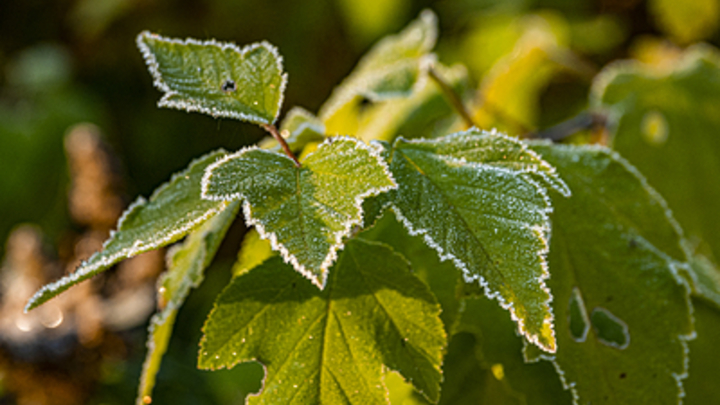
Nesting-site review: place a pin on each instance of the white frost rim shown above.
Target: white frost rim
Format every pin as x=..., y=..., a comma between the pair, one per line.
x=337, y=244
x=190, y=105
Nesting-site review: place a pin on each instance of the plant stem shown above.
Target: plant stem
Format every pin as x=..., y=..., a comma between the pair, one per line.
x=584, y=120
x=275, y=134
x=452, y=97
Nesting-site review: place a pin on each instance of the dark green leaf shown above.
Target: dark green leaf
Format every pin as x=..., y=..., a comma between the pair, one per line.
x=623, y=314
x=667, y=124
x=704, y=357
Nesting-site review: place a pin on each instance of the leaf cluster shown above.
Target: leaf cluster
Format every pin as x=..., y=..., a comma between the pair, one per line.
x=473, y=265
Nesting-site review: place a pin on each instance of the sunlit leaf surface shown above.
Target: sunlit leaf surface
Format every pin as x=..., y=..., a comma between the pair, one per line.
x=622, y=314
x=329, y=347
x=172, y=211
x=216, y=78
x=304, y=211
x=478, y=199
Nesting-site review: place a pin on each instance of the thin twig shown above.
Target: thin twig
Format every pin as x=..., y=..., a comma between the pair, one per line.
x=275, y=134
x=582, y=121
x=452, y=97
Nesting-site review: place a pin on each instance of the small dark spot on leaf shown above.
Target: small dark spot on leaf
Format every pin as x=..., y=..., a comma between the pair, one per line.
x=364, y=102
x=229, y=86
x=402, y=342
x=632, y=244
x=293, y=284
x=609, y=298
x=622, y=375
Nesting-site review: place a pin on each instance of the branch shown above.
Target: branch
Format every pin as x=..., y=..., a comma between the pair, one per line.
x=584, y=120
x=275, y=134
x=452, y=97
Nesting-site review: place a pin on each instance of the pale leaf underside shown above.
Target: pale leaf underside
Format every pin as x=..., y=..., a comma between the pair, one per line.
x=331, y=346
x=216, y=78
x=172, y=211
x=187, y=262
x=390, y=69
x=304, y=211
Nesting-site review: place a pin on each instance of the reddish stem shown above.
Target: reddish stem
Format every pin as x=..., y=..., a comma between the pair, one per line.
x=275, y=134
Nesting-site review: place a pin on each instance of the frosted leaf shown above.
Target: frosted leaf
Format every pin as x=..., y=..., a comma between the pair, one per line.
x=390, y=69
x=679, y=149
x=172, y=211
x=216, y=78
x=484, y=210
x=614, y=258
x=186, y=264
x=305, y=211
x=333, y=346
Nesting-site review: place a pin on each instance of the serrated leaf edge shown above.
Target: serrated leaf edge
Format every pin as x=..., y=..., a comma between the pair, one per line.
x=550, y=175
x=84, y=271
x=288, y=257
x=190, y=106
x=543, y=234
x=673, y=266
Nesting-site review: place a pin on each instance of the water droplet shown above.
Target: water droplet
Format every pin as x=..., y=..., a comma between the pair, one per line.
x=654, y=128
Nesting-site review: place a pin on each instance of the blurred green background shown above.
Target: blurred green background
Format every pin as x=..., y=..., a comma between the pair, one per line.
x=64, y=62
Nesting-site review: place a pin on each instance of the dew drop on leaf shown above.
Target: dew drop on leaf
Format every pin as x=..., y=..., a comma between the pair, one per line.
x=654, y=128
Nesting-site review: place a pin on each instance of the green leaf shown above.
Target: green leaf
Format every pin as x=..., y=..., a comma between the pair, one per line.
x=329, y=347
x=467, y=382
x=686, y=22
x=186, y=264
x=425, y=113
x=299, y=128
x=500, y=349
x=216, y=78
x=623, y=314
x=254, y=250
x=705, y=279
x=667, y=125
x=441, y=277
x=304, y=211
x=390, y=69
x=173, y=210
x=699, y=386
x=474, y=198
